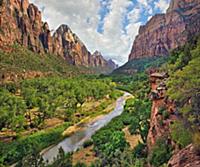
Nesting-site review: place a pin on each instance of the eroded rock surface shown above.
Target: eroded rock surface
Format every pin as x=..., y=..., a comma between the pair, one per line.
x=186, y=157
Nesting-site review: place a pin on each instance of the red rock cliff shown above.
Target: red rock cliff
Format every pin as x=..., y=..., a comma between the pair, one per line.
x=21, y=22
x=68, y=45
x=165, y=32
x=162, y=112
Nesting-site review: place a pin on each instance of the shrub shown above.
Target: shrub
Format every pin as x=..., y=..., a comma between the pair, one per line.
x=139, y=151
x=11, y=87
x=115, y=94
x=196, y=141
x=139, y=163
x=80, y=164
x=87, y=143
x=160, y=153
x=161, y=109
x=165, y=114
x=180, y=134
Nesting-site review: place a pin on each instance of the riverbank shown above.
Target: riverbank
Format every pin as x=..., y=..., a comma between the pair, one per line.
x=70, y=130
x=108, y=107
x=77, y=139
x=116, y=135
x=87, y=156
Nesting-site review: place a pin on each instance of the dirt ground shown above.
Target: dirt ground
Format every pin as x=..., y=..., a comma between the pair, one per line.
x=85, y=155
x=133, y=140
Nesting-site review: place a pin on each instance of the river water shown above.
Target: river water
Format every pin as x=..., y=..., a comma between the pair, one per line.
x=75, y=141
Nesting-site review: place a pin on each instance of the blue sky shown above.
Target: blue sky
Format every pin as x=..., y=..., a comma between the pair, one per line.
x=109, y=26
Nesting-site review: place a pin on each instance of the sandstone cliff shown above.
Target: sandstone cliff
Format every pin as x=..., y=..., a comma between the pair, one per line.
x=162, y=112
x=68, y=45
x=21, y=22
x=186, y=157
x=165, y=32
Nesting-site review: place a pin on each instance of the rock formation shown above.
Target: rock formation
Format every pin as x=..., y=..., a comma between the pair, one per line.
x=112, y=64
x=186, y=157
x=68, y=45
x=164, y=32
x=21, y=22
x=162, y=112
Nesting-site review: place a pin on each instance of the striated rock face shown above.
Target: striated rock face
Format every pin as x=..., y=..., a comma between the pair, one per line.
x=186, y=157
x=68, y=45
x=165, y=32
x=21, y=22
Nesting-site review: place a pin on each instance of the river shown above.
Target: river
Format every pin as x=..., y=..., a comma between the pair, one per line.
x=75, y=141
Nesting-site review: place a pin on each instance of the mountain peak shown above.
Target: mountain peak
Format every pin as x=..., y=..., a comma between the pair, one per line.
x=97, y=53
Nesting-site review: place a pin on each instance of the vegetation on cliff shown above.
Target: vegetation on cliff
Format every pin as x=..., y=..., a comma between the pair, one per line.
x=19, y=60
x=184, y=89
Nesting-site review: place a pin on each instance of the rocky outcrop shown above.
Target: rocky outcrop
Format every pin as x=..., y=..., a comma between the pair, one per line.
x=21, y=22
x=162, y=112
x=164, y=32
x=186, y=157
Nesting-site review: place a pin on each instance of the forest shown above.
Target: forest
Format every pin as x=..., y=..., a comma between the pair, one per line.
x=26, y=107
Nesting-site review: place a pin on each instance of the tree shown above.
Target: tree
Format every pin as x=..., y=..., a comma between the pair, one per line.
x=32, y=160
x=11, y=111
x=140, y=123
x=160, y=153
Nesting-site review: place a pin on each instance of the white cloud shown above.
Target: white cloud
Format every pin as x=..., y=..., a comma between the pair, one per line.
x=162, y=5
x=83, y=17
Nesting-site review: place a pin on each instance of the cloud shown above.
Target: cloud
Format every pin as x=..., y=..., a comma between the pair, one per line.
x=162, y=5
x=109, y=26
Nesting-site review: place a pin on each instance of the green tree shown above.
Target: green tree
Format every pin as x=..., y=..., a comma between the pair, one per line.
x=160, y=153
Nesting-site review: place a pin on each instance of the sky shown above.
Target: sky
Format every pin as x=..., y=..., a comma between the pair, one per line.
x=109, y=26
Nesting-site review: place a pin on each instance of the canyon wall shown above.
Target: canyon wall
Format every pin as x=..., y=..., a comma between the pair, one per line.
x=165, y=32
